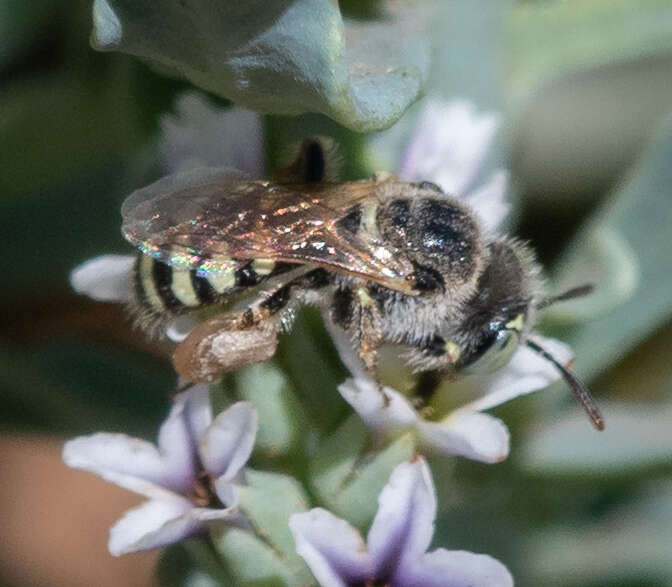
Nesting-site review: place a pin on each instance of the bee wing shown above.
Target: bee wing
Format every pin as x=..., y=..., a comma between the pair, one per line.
x=204, y=218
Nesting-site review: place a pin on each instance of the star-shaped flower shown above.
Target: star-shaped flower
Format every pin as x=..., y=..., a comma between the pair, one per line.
x=395, y=550
x=464, y=430
x=194, y=137
x=187, y=478
x=448, y=147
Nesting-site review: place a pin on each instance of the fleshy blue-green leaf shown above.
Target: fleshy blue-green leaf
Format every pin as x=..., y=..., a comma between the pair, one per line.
x=629, y=547
x=267, y=501
x=252, y=561
x=637, y=438
x=356, y=498
x=641, y=214
x=601, y=257
x=547, y=39
x=274, y=56
x=280, y=415
x=335, y=458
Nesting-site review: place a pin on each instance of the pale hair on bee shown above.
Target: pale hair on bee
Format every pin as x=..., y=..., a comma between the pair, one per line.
x=389, y=261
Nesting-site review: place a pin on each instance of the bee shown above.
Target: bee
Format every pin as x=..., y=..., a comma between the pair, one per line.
x=388, y=261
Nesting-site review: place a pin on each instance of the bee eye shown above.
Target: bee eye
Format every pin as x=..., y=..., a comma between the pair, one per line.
x=497, y=352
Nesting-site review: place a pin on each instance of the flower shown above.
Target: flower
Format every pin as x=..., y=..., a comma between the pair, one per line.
x=395, y=550
x=465, y=430
x=191, y=138
x=448, y=147
x=187, y=478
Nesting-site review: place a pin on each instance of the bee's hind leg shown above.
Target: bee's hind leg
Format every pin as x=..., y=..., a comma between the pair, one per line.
x=224, y=343
x=315, y=160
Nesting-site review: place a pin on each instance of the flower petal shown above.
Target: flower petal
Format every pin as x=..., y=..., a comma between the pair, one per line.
x=333, y=549
x=107, y=278
x=131, y=463
x=490, y=202
x=467, y=434
x=140, y=528
x=383, y=410
x=455, y=568
x=229, y=440
x=404, y=523
x=161, y=522
x=449, y=145
x=140, y=466
x=198, y=410
x=201, y=135
x=526, y=372
x=179, y=436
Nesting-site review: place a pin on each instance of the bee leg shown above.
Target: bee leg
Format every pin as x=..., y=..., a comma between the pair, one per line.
x=232, y=340
x=315, y=161
x=370, y=337
x=225, y=343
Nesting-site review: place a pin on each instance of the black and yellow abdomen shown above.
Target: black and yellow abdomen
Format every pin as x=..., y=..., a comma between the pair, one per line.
x=162, y=291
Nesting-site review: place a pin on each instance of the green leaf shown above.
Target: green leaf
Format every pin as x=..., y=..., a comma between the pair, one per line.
x=267, y=501
x=283, y=57
x=629, y=547
x=281, y=421
x=601, y=256
x=357, y=502
x=641, y=215
x=635, y=440
x=548, y=39
x=251, y=561
x=335, y=459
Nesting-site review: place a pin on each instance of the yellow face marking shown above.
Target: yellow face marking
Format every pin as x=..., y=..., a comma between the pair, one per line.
x=183, y=289
x=516, y=324
x=146, y=274
x=453, y=351
x=263, y=266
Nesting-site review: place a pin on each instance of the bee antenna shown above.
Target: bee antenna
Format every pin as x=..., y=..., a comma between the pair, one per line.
x=575, y=292
x=580, y=390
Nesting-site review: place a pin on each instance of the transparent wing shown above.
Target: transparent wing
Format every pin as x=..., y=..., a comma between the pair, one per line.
x=203, y=218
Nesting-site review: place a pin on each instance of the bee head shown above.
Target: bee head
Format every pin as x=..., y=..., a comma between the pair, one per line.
x=498, y=316
x=501, y=313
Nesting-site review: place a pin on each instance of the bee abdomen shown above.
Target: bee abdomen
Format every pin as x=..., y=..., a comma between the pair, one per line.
x=163, y=292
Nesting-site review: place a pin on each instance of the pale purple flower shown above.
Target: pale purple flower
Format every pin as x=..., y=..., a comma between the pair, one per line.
x=198, y=135
x=449, y=144
x=463, y=430
x=448, y=147
x=395, y=550
x=188, y=477
x=202, y=135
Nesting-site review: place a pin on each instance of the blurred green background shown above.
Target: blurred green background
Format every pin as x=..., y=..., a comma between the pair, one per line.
x=584, y=88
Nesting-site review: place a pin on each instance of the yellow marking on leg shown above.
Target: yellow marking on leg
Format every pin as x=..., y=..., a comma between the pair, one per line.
x=369, y=213
x=183, y=289
x=263, y=266
x=453, y=351
x=146, y=276
x=364, y=298
x=515, y=324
